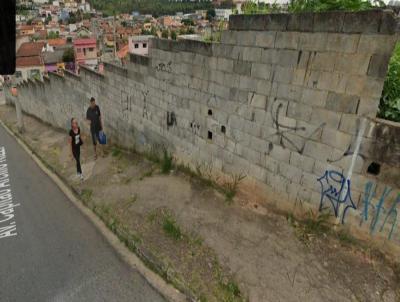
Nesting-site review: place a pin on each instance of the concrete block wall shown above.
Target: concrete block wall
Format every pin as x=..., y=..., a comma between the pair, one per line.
x=288, y=100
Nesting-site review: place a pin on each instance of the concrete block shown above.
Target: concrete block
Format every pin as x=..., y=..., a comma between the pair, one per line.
x=314, y=97
x=246, y=38
x=377, y=44
x=279, y=153
x=310, y=181
x=313, y=41
x=355, y=84
x=263, y=87
x=289, y=92
x=270, y=56
x=353, y=63
x=283, y=75
x=251, y=155
x=288, y=58
x=373, y=87
x=339, y=102
x=378, y=65
x=301, y=161
x=270, y=164
x=320, y=116
x=262, y=71
x=388, y=23
x=247, y=83
x=299, y=111
x=338, y=42
x=317, y=150
x=258, y=173
x=328, y=22
x=252, y=54
x=301, y=22
x=324, y=61
x=252, y=128
x=265, y=39
x=368, y=107
x=289, y=172
x=260, y=145
x=257, y=100
x=299, y=76
x=229, y=37
x=287, y=40
x=332, y=81
x=304, y=195
x=304, y=59
x=225, y=65
x=335, y=138
x=362, y=22
x=242, y=68
x=349, y=123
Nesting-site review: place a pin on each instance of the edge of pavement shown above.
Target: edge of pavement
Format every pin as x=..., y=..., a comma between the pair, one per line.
x=165, y=289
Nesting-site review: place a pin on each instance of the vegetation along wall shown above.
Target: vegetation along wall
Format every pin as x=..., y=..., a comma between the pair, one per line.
x=289, y=100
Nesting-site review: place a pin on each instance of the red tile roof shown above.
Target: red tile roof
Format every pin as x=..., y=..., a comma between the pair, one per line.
x=29, y=49
x=84, y=41
x=29, y=61
x=123, y=52
x=57, y=42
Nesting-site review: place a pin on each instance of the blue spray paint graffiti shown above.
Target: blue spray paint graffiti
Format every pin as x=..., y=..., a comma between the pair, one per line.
x=379, y=209
x=336, y=188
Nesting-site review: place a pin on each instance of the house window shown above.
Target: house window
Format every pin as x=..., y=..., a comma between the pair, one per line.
x=136, y=45
x=18, y=74
x=91, y=49
x=84, y=51
x=144, y=45
x=78, y=50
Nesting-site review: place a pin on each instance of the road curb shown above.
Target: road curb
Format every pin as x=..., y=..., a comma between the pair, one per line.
x=157, y=282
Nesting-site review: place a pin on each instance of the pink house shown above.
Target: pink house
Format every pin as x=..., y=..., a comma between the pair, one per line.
x=86, y=52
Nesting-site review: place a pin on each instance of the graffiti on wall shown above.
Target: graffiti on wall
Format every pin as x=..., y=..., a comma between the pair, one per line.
x=336, y=194
x=282, y=130
x=351, y=148
x=376, y=214
x=336, y=191
x=164, y=67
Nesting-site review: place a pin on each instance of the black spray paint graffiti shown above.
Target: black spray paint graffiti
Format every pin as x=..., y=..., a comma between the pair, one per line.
x=195, y=128
x=164, y=67
x=378, y=210
x=336, y=189
x=350, y=148
x=282, y=130
x=171, y=119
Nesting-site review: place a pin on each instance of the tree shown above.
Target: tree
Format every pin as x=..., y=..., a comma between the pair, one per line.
x=164, y=34
x=188, y=22
x=68, y=55
x=47, y=20
x=210, y=14
x=173, y=35
x=53, y=35
x=190, y=31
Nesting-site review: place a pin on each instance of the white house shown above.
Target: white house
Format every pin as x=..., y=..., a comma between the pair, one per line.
x=139, y=44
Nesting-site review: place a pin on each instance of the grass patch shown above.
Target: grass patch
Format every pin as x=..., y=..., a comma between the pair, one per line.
x=166, y=162
x=231, y=291
x=86, y=195
x=116, y=152
x=313, y=225
x=171, y=228
x=229, y=187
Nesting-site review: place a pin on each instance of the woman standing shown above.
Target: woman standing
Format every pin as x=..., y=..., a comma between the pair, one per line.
x=76, y=143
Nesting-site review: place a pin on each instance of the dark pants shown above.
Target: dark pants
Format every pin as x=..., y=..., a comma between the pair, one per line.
x=77, y=154
x=95, y=136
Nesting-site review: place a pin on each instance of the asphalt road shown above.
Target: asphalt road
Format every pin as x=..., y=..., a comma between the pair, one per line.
x=57, y=255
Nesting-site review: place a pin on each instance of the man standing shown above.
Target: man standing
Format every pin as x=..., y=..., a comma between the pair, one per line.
x=93, y=115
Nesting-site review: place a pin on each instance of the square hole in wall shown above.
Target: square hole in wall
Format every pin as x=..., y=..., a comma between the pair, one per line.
x=374, y=168
x=209, y=136
x=209, y=112
x=223, y=129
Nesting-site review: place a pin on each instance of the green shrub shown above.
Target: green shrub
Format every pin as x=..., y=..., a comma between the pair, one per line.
x=331, y=5
x=389, y=107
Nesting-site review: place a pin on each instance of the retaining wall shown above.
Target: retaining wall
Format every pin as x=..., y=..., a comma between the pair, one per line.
x=288, y=100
